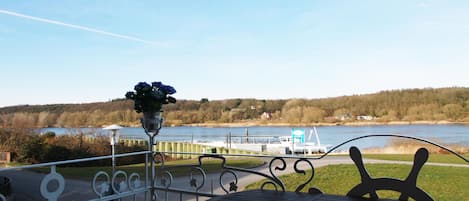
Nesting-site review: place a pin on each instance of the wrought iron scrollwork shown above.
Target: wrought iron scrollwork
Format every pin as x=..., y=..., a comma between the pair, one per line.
x=269, y=183
x=272, y=178
x=193, y=180
x=233, y=185
x=2, y=198
x=297, y=170
x=166, y=179
x=276, y=180
x=158, y=158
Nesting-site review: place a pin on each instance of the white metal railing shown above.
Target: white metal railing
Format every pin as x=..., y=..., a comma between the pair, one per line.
x=108, y=190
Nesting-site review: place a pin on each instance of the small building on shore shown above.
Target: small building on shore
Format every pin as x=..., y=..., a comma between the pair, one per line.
x=365, y=117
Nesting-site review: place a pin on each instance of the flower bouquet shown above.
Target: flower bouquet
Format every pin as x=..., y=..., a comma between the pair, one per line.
x=149, y=100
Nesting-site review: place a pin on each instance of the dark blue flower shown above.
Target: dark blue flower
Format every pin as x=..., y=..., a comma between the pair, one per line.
x=147, y=88
x=157, y=95
x=167, y=89
x=130, y=95
x=141, y=85
x=156, y=84
x=150, y=98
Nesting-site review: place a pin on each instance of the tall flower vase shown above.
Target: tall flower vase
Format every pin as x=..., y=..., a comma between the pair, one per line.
x=151, y=122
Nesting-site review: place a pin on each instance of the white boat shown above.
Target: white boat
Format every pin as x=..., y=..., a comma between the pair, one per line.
x=275, y=145
x=307, y=147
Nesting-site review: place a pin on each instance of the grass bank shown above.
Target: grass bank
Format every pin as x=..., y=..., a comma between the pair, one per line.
x=442, y=183
x=434, y=158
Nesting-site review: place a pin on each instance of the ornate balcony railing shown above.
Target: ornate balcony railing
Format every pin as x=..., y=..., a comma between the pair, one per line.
x=156, y=181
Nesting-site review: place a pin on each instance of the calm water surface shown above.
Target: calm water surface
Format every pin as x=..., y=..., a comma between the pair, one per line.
x=333, y=135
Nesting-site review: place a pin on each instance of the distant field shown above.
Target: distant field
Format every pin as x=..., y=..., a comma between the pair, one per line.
x=434, y=158
x=442, y=183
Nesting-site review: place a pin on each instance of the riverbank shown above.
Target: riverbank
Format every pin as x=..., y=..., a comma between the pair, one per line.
x=358, y=123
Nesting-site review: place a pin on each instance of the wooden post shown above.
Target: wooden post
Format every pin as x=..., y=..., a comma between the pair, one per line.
x=247, y=135
x=160, y=146
x=166, y=146
x=173, y=149
x=185, y=148
x=178, y=149
x=199, y=148
x=193, y=149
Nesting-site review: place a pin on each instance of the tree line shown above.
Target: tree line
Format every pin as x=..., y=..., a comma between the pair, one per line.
x=26, y=146
x=450, y=104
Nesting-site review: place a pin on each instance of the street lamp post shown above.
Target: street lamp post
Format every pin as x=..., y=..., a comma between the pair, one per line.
x=114, y=139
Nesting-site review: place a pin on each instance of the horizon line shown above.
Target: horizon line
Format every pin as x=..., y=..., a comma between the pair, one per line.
x=215, y=99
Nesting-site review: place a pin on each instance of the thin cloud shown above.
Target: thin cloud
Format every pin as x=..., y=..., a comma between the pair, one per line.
x=126, y=37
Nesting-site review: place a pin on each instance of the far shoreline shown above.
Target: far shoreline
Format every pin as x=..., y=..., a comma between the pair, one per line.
x=361, y=123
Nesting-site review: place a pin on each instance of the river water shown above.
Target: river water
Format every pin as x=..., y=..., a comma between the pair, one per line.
x=331, y=135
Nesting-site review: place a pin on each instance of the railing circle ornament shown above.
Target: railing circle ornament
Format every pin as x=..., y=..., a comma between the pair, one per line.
x=104, y=186
x=122, y=185
x=53, y=175
x=134, y=181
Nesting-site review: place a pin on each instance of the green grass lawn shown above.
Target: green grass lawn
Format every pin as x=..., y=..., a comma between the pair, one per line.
x=209, y=165
x=434, y=158
x=442, y=183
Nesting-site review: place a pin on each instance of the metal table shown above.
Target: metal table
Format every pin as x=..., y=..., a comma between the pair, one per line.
x=259, y=195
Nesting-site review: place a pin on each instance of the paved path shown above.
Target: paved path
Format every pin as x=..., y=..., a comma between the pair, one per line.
x=25, y=186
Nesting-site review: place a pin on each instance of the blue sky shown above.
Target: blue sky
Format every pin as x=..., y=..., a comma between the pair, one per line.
x=86, y=51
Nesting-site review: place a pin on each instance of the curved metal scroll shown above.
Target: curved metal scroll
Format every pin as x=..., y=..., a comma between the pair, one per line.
x=301, y=186
x=282, y=168
x=166, y=181
x=193, y=180
x=273, y=179
x=407, y=188
x=269, y=183
x=2, y=198
x=157, y=160
x=233, y=184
